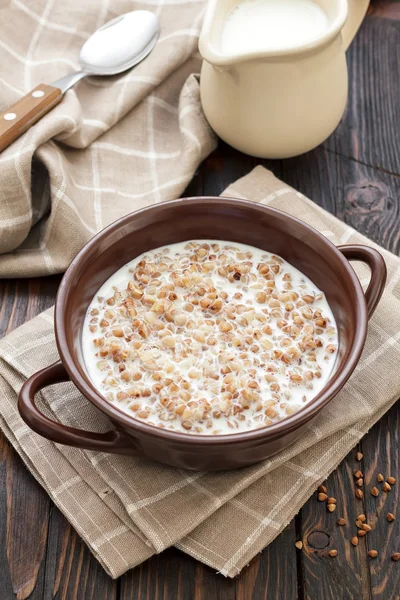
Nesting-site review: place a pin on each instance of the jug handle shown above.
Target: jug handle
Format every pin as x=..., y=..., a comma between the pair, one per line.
x=357, y=11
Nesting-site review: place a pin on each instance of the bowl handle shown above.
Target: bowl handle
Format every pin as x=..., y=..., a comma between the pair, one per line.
x=111, y=441
x=378, y=272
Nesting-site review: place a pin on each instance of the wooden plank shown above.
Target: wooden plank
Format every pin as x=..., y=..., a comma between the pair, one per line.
x=195, y=187
x=171, y=574
x=271, y=575
x=368, y=132
x=363, y=197
x=210, y=584
x=5, y=579
x=72, y=572
x=381, y=455
x=223, y=167
x=323, y=576
x=226, y=165
x=24, y=506
x=388, y=9
x=27, y=509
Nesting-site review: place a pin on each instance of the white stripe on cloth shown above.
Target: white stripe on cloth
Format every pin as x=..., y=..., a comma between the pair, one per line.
x=151, y=154
x=97, y=193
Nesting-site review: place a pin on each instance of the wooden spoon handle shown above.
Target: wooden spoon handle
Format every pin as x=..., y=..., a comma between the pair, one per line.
x=18, y=118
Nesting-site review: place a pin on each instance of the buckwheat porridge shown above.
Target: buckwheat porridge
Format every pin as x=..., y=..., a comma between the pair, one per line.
x=209, y=337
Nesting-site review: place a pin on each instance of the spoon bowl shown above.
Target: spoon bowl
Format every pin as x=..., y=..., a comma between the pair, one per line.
x=113, y=49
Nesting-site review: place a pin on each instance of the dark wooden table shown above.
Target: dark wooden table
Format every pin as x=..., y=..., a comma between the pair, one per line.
x=355, y=175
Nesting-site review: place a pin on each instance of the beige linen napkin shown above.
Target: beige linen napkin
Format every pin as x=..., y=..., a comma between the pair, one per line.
x=113, y=145
x=126, y=509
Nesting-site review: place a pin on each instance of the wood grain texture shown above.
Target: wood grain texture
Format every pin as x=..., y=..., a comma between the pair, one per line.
x=171, y=574
x=368, y=131
x=26, y=503
x=344, y=576
x=362, y=197
x=273, y=574
x=71, y=571
x=24, y=506
x=19, y=117
x=381, y=455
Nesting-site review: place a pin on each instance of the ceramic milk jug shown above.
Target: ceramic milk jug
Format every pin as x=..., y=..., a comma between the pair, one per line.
x=278, y=103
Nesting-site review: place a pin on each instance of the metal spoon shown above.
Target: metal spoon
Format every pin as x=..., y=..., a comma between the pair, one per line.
x=117, y=46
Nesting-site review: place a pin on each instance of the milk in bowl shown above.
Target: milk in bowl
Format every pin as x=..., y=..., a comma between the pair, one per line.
x=209, y=337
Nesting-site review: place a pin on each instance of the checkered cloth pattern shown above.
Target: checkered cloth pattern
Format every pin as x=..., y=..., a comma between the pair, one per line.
x=113, y=145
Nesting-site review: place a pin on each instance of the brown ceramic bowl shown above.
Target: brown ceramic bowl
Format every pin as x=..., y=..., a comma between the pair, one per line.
x=201, y=218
